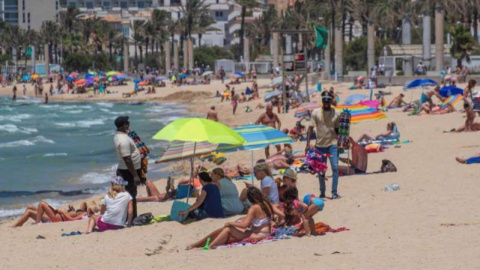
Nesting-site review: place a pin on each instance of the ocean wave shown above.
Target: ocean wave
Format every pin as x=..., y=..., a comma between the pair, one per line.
x=15, y=118
x=4, y=213
x=96, y=178
x=82, y=123
x=38, y=139
x=10, y=128
x=74, y=111
x=165, y=120
x=105, y=104
x=102, y=133
x=55, y=154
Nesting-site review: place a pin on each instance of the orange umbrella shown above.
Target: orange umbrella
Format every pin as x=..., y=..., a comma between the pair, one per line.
x=80, y=82
x=144, y=83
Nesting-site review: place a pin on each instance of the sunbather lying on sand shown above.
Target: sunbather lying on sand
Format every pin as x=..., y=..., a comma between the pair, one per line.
x=386, y=136
x=153, y=195
x=436, y=109
x=475, y=127
x=471, y=160
x=47, y=213
x=256, y=225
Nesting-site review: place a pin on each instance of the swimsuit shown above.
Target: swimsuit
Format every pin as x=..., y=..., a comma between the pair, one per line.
x=260, y=222
x=310, y=198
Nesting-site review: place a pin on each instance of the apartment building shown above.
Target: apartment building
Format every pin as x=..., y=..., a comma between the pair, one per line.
x=29, y=14
x=224, y=12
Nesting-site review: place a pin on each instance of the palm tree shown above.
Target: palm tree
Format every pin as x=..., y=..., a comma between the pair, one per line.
x=203, y=26
x=138, y=38
x=48, y=32
x=160, y=20
x=245, y=4
x=149, y=33
x=68, y=18
x=463, y=44
x=192, y=12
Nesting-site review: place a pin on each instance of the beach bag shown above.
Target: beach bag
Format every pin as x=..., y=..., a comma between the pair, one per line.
x=387, y=166
x=143, y=219
x=316, y=161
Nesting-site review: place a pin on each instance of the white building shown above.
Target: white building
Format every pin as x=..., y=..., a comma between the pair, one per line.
x=29, y=14
x=224, y=12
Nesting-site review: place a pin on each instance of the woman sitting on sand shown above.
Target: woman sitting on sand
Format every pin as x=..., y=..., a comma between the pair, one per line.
x=208, y=204
x=305, y=209
x=153, y=195
x=231, y=204
x=117, y=206
x=392, y=133
x=256, y=225
x=47, y=213
x=289, y=180
x=269, y=187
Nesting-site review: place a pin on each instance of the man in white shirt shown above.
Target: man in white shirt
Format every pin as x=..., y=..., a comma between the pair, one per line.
x=130, y=163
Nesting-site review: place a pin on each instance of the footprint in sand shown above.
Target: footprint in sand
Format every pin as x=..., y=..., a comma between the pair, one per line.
x=165, y=240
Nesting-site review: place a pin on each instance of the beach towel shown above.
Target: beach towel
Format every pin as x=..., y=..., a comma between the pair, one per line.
x=178, y=207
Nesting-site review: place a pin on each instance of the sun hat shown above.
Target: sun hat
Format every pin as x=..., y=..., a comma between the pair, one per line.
x=290, y=174
x=118, y=181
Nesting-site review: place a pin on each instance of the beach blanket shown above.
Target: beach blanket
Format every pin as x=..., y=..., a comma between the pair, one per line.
x=320, y=228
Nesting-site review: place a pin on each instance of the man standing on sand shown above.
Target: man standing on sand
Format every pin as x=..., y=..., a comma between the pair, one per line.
x=129, y=166
x=212, y=114
x=326, y=122
x=14, y=98
x=24, y=90
x=269, y=118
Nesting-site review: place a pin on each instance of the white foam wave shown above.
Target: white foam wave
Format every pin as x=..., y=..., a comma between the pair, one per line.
x=10, y=128
x=165, y=120
x=105, y=104
x=11, y=212
x=19, y=143
x=15, y=118
x=55, y=155
x=74, y=111
x=82, y=123
x=96, y=178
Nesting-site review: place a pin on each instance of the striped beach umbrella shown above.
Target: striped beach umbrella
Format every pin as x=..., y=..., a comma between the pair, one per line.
x=306, y=108
x=453, y=100
x=362, y=113
x=256, y=137
x=181, y=150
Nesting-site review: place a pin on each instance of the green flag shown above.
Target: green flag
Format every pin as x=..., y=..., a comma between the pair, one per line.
x=28, y=52
x=321, y=34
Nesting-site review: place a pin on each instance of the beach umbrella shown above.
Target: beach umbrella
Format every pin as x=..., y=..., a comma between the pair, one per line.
x=111, y=73
x=26, y=78
x=371, y=103
x=354, y=99
x=450, y=90
x=158, y=79
x=74, y=74
x=453, y=100
x=271, y=95
x=306, y=108
x=51, y=75
x=80, y=82
x=361, y=113
x=144, y=83
x=239, y=74
x=419, y=83
x=182, y=76
x=275, y=81
x=181, y=150
x=92, y=73
x=206, y=73
x=198, y=130
x=35, y=76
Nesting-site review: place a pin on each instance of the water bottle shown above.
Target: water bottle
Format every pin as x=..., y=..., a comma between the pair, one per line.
x=392, y=187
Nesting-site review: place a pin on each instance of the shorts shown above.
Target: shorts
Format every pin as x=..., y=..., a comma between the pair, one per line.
x=102, y=226
x=310, y=199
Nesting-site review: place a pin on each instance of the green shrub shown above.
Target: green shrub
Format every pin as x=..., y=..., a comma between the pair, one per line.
x=207, y=55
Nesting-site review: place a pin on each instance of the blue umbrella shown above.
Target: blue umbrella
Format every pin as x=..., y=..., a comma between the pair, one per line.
x=354, y=99
x=272, y=94
x=419, y=83
x=137, y=80
x=121, y=77
x=182, y=76
x=25, y=78
x=451, y=90
x=239, y=74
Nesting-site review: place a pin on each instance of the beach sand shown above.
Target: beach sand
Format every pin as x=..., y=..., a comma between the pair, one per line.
x=430, y=223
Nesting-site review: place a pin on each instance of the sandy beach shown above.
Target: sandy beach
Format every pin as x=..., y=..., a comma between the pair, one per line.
x=430, y=223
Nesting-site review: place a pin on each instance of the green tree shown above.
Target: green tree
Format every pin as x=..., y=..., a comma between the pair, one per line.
x=463, y=44
x=245, y=4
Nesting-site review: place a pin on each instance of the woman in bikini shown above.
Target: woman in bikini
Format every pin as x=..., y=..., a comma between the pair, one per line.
x=257, y=224
x=153, y=195
x=390, y=134
x=305, y=209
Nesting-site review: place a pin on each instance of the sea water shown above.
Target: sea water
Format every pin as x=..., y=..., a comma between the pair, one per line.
x=61, y=152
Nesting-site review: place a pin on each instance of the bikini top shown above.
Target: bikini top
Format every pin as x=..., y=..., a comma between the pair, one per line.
x=260, y=222
x=299, y=208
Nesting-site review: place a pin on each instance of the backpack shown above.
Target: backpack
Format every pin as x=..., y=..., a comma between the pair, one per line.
x=387, y=166
x=143, y=219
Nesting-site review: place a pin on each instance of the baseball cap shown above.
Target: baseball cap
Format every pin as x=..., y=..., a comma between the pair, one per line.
x=290, y=174
x=118, y=181
x=121, y=121
x=326, y=95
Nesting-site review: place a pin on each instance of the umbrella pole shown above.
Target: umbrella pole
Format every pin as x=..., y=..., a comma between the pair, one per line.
x=252, y=169
x=191, y=170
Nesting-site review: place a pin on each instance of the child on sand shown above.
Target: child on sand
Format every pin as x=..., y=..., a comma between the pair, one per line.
x=117, y=206
x=306, y=209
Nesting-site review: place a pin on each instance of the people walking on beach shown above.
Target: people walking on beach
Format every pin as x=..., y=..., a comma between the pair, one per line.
x=222, y=74
x=46, y=98
x=234, y=100
x=129, y=166
x=117, y=207
x=212, y=114
x=468, y=105
x=326, y=124
x=269, y=118
x=24, y=90
x=14, y=98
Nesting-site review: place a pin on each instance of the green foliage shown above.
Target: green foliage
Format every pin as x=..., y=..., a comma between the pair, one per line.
x=463, y=43
x=207, y=55
x=153, y=61
x=356, y=54
x=83, y=62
